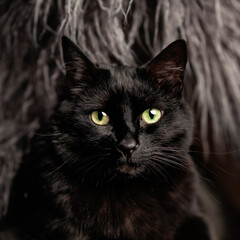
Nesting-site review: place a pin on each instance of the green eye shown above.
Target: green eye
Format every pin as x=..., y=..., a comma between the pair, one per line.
x=151, y=115
x=100, y=118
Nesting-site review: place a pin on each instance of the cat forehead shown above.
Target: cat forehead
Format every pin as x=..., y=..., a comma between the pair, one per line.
x=123, y=76
x=126, y=83
x=120, y=86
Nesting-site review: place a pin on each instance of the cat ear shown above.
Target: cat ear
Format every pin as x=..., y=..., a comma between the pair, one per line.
x=169, y=66
x=78, y=67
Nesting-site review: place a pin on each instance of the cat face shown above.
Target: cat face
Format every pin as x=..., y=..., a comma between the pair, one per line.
x=123, y=121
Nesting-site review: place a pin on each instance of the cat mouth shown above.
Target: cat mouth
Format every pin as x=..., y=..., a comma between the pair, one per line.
x=128, y=169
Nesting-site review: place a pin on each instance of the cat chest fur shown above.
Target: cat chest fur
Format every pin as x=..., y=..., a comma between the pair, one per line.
x=138, y=213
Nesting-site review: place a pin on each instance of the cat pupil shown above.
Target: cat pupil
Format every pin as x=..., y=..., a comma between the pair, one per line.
x=100, y=116
x=152, y=113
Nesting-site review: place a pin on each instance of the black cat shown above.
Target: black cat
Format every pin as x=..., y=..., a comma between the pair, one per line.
x=113, y=162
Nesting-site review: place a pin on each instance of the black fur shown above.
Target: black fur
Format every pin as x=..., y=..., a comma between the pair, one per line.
x=83, y=181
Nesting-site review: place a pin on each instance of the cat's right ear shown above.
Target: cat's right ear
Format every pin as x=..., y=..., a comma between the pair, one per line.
x=78, y=67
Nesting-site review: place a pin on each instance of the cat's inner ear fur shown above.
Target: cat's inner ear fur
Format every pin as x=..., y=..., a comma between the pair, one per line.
x=169, y=65
x=79, y=69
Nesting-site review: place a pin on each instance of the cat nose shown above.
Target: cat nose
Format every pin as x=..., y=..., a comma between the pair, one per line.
x=128, y=145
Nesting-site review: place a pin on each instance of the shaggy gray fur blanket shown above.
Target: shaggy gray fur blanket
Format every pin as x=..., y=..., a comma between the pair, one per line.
x=125, y=32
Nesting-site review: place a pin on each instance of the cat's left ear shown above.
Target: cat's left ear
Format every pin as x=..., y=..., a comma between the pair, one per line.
x=79, y=69
x=169, y=65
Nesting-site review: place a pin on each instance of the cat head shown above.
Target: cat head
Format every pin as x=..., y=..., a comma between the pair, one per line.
x=128, y=122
